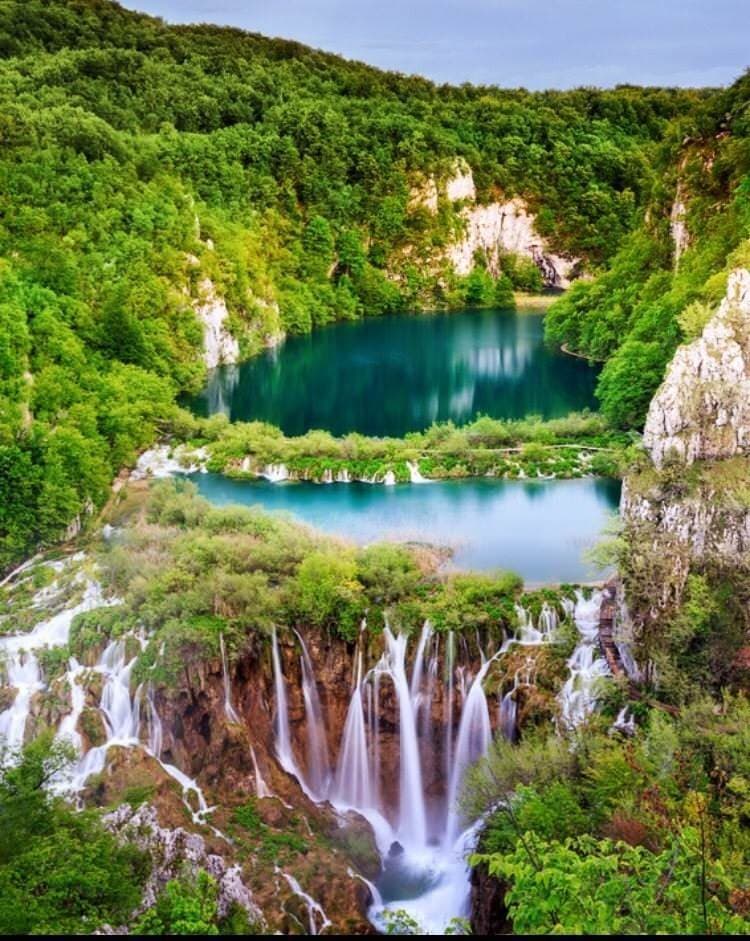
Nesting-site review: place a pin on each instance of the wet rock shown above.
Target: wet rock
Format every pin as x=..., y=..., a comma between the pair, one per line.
x=489, y=914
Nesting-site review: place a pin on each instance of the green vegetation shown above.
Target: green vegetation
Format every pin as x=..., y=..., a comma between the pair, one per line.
x=189, y=572
x=60, y=871
x=600, y=835
x=645, y=302
x=574, y=446
x=139, y=160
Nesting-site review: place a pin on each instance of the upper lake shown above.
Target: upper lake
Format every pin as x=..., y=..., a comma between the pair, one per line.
x=386, y=376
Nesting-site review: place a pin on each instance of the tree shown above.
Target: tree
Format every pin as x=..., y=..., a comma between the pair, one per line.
x=61, y=872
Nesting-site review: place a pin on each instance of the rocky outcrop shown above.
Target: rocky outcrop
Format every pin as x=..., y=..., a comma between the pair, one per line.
x=678, y=224
x=172, y=851
x=491, y=229
x=702, y=410
x=489, y=914
x=507, y=227
x=691, y=510
x=219, y=346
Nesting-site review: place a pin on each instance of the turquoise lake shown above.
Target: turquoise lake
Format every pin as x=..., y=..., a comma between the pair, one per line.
x=391, y=375
x=538, y=528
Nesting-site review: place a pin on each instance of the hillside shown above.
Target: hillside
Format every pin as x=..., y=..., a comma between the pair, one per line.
x=159, y=183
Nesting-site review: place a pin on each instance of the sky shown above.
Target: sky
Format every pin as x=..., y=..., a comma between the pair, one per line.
x=532, y=43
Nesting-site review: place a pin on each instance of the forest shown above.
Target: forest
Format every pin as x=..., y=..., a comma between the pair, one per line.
x=129, y=145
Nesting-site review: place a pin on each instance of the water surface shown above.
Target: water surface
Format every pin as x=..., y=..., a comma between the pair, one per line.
x=538, y=528
x=391, y=375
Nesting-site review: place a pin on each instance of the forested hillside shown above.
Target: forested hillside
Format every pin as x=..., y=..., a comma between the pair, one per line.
x=139, y=158
x=667, y=275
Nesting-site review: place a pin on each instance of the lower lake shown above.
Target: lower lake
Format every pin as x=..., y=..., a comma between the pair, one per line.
x=537, y=528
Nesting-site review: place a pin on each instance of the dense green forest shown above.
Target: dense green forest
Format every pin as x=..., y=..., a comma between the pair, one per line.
x=650, y=298
x=129, y=146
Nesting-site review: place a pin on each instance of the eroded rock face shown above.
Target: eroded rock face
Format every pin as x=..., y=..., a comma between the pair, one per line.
x=507, y=227
x=219, y=346
x=702, y=410
x=172, y=850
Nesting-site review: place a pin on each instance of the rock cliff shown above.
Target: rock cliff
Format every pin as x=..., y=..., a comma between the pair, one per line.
x=219, y=346
x=691, y=508
x=491, y=229
x=507, y=227
x=702, y=410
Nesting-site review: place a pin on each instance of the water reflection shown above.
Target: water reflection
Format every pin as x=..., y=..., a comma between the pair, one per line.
x=391, y=375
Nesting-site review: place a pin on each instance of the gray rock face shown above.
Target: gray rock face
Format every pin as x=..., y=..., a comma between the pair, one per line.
x=171, y=851
x=702, y=410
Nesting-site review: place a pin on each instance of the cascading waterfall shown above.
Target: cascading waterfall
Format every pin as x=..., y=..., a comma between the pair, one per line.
x=318, y=773
x=412, y=826
x=228, y=707
x=353, y=782
x=587, y=666
x=474, y=736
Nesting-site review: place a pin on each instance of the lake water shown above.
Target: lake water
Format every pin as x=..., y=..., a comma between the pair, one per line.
x=539, y=528
x=391, y=375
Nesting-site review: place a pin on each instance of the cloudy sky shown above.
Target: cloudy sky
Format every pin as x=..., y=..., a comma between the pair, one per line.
x=534, y=43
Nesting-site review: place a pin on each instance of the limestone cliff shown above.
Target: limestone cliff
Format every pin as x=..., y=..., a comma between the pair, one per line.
x=507, y=227
x=702, y=410
x=219, y=346
x=691, y=507
x=491, y=229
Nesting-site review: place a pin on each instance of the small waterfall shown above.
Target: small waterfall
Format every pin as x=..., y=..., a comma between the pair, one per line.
x=262, y=790
x=508, y=715
x=228, y=707
x=281, y=721
x=416, y=677
x=23, y=675
x=318, y=774
x=414, y=475
x=21, y=665
x=155, y=731
x=450, y=655
x=354, y=779
x=390, y=479
x=578, y=695
x=317, y=918
x=276, y=473
x=69, y=726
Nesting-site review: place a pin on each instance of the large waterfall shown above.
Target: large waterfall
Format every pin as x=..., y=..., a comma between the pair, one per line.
x=424, y=841
x=422, y=705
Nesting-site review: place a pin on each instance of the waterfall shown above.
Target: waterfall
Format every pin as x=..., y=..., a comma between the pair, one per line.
x=412, y=818
x=508, y=715
x=155, y=732
x=414, y=475
x=69, y=726
x=416, y=676
x=474, y=736
x=276, y=473
x=318, y=774
x=21, y=665
x=228, y=707
x=390, y=479
x=261, y=788
x=578, y=695
x=448, y=709
x=281, y=722
x=315, y=913
x=353, y=783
